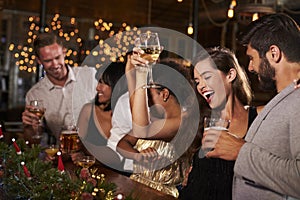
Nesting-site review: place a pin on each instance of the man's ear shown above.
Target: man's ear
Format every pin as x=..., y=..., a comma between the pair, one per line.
x=64, y=51
x=276, y=53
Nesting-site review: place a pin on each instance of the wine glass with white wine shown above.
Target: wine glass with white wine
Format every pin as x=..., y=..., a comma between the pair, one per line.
x=149, y=43
x=86, y=161
x=51, y=150
x=37, y=108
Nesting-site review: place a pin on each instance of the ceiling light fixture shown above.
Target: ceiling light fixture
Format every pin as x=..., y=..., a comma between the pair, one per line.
x=252, y=10
x=190, y=29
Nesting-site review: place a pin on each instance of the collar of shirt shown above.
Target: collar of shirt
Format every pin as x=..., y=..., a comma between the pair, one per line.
x=71, y=77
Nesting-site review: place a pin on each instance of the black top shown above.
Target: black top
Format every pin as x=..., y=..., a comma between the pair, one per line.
x=211, y=178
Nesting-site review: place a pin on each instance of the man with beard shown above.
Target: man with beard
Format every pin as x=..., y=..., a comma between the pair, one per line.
x=268, y=160
x=62, y=100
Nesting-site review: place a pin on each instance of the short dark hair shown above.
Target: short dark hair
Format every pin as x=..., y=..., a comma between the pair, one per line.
x=275, y=29
x=113, y=73
x=45, y=39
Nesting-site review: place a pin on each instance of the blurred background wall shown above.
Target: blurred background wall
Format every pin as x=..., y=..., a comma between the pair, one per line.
x=84, y=24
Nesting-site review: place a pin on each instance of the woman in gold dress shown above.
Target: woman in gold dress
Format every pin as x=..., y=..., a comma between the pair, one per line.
x=159, y=141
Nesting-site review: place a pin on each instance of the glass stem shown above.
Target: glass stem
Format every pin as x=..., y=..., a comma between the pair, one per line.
x=150, y=74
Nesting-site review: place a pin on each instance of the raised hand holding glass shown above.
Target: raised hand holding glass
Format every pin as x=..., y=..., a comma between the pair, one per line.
x=218, y=124
x=149, y=43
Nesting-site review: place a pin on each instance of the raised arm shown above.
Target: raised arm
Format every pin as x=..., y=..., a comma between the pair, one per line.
x=164, y=128
x=136, y=74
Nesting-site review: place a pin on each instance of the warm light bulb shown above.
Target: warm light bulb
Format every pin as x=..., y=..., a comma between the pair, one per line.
x=230, y=13
x=73, y=20
x=255, y=16
x=11, y=47
x=179, y=1
x=190, y=29
x=233, y=3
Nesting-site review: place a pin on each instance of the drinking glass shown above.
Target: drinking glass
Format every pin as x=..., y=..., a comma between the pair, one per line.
x=149, y=43
x=37, y=108
x=51, y=150
x=216, y=124
x=86, y=161
x=69, y=139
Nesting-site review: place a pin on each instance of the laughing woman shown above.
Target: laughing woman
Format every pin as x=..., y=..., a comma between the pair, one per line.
x=95, y=122
x=223, y=83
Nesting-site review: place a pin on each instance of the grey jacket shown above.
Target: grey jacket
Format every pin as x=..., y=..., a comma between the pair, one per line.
x=268, y=165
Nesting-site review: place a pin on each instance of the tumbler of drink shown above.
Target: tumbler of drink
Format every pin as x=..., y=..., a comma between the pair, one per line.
x=69, y=140
x=216, y=124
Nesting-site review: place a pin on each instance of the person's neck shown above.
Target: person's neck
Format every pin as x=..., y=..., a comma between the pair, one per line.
x=60, y=82
x=292, y=74
x=104, y=106
x=237, y=113
x=173, y=109
x=233, y=109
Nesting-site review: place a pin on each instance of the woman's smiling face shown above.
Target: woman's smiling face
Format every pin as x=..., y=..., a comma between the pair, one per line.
x=103, y=92
x=210, y=83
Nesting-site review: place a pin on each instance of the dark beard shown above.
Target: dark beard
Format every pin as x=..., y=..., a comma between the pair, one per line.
x=266, y=75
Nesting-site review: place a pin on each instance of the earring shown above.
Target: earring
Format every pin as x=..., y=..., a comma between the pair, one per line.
x=165, y=100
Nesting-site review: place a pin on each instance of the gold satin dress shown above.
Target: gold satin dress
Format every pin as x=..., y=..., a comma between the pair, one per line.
x=163, y=175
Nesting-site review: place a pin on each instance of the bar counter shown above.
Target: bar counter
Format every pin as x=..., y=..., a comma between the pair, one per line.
x=125, y=185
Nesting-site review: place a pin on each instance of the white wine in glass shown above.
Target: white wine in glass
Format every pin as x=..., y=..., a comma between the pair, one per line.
x=86, y=161
x=151, y=53
x=37, y=108
x=149, y=43
x=52, y=149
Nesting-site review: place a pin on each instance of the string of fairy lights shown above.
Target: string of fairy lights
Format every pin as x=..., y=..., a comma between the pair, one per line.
x=77, y=49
